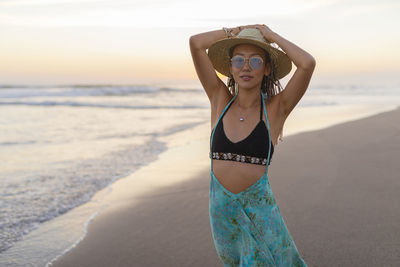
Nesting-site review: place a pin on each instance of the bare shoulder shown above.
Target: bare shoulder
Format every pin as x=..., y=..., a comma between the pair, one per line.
x=219, y=102
x=273, y=106
x=276, y=116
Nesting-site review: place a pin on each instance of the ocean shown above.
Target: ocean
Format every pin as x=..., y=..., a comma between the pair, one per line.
x=60, y=145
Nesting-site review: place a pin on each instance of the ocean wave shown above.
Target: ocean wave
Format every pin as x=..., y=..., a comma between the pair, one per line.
x=98, y=105
x=46, y=196
x=84, y=90
x=29, y=142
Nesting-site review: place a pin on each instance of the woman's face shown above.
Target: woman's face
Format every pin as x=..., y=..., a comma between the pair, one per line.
x=256, y=76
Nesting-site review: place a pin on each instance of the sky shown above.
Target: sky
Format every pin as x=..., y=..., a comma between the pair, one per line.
x=44, y=42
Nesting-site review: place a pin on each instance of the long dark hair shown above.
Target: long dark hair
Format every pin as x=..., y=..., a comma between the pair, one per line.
x=270, y=85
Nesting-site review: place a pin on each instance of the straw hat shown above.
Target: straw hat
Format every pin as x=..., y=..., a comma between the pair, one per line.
x=218, y=52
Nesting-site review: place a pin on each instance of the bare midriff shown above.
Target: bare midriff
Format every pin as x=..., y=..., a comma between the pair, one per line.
x=237, y=176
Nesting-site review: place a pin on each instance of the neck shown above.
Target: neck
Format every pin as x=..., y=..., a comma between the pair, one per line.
x=248, y=98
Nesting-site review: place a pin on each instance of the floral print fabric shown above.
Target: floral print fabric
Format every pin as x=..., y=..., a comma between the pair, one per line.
x=247, y=227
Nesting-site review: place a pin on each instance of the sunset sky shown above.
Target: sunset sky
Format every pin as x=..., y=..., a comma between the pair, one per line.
x=130, y=42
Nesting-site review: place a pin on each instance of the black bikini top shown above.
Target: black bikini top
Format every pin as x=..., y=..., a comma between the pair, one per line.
x=253, y=149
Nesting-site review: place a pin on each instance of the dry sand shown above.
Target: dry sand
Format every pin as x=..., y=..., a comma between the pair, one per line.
x=337, y=189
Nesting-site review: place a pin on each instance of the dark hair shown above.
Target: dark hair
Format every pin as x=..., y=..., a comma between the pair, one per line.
x=270, y=85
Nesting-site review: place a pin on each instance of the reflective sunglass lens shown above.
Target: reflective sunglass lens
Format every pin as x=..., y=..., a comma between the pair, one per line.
x=238, y=62
x=255, y=63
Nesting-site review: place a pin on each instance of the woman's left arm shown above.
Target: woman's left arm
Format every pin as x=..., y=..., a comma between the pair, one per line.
x=298, y=83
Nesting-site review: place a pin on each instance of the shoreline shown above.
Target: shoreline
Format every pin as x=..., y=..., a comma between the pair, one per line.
x=109, y=199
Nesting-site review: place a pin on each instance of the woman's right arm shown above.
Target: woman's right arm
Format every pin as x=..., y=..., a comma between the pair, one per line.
x=212, y=84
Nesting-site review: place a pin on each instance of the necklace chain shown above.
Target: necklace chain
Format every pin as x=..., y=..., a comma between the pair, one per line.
x=241, y=118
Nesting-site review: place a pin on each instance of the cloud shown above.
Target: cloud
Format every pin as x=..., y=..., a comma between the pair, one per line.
x=32, y=3
x=145, y=14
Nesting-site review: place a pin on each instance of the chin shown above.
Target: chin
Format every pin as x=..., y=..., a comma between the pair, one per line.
x=249, y=86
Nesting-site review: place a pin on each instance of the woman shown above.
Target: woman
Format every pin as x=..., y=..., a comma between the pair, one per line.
x=247, y=227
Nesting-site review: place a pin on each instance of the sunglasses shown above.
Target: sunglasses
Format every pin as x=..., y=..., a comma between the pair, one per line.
x=255, y=62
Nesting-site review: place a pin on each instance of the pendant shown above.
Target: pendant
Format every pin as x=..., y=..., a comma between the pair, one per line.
x=241, y=119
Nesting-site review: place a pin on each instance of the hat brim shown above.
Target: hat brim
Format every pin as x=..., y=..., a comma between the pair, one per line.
x=218, y=53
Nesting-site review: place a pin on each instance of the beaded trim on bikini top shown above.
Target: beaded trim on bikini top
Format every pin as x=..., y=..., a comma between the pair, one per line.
x=238, y=157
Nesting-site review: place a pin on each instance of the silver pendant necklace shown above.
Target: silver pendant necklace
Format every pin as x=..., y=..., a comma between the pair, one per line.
x=241, y=118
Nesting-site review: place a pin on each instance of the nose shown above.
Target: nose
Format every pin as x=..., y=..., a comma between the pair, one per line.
x=246, y=64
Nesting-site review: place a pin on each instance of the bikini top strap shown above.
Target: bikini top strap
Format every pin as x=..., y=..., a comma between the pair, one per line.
x=261, y=108
x=220, y=116
x=269, y=134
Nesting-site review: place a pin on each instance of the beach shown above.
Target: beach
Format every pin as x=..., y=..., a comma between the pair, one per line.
x=113, y=175
x=337, y=189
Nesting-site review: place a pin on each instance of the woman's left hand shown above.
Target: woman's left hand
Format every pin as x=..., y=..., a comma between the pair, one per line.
x=266, y=31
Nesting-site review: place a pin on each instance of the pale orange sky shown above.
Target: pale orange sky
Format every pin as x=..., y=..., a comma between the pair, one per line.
x=129, y=42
